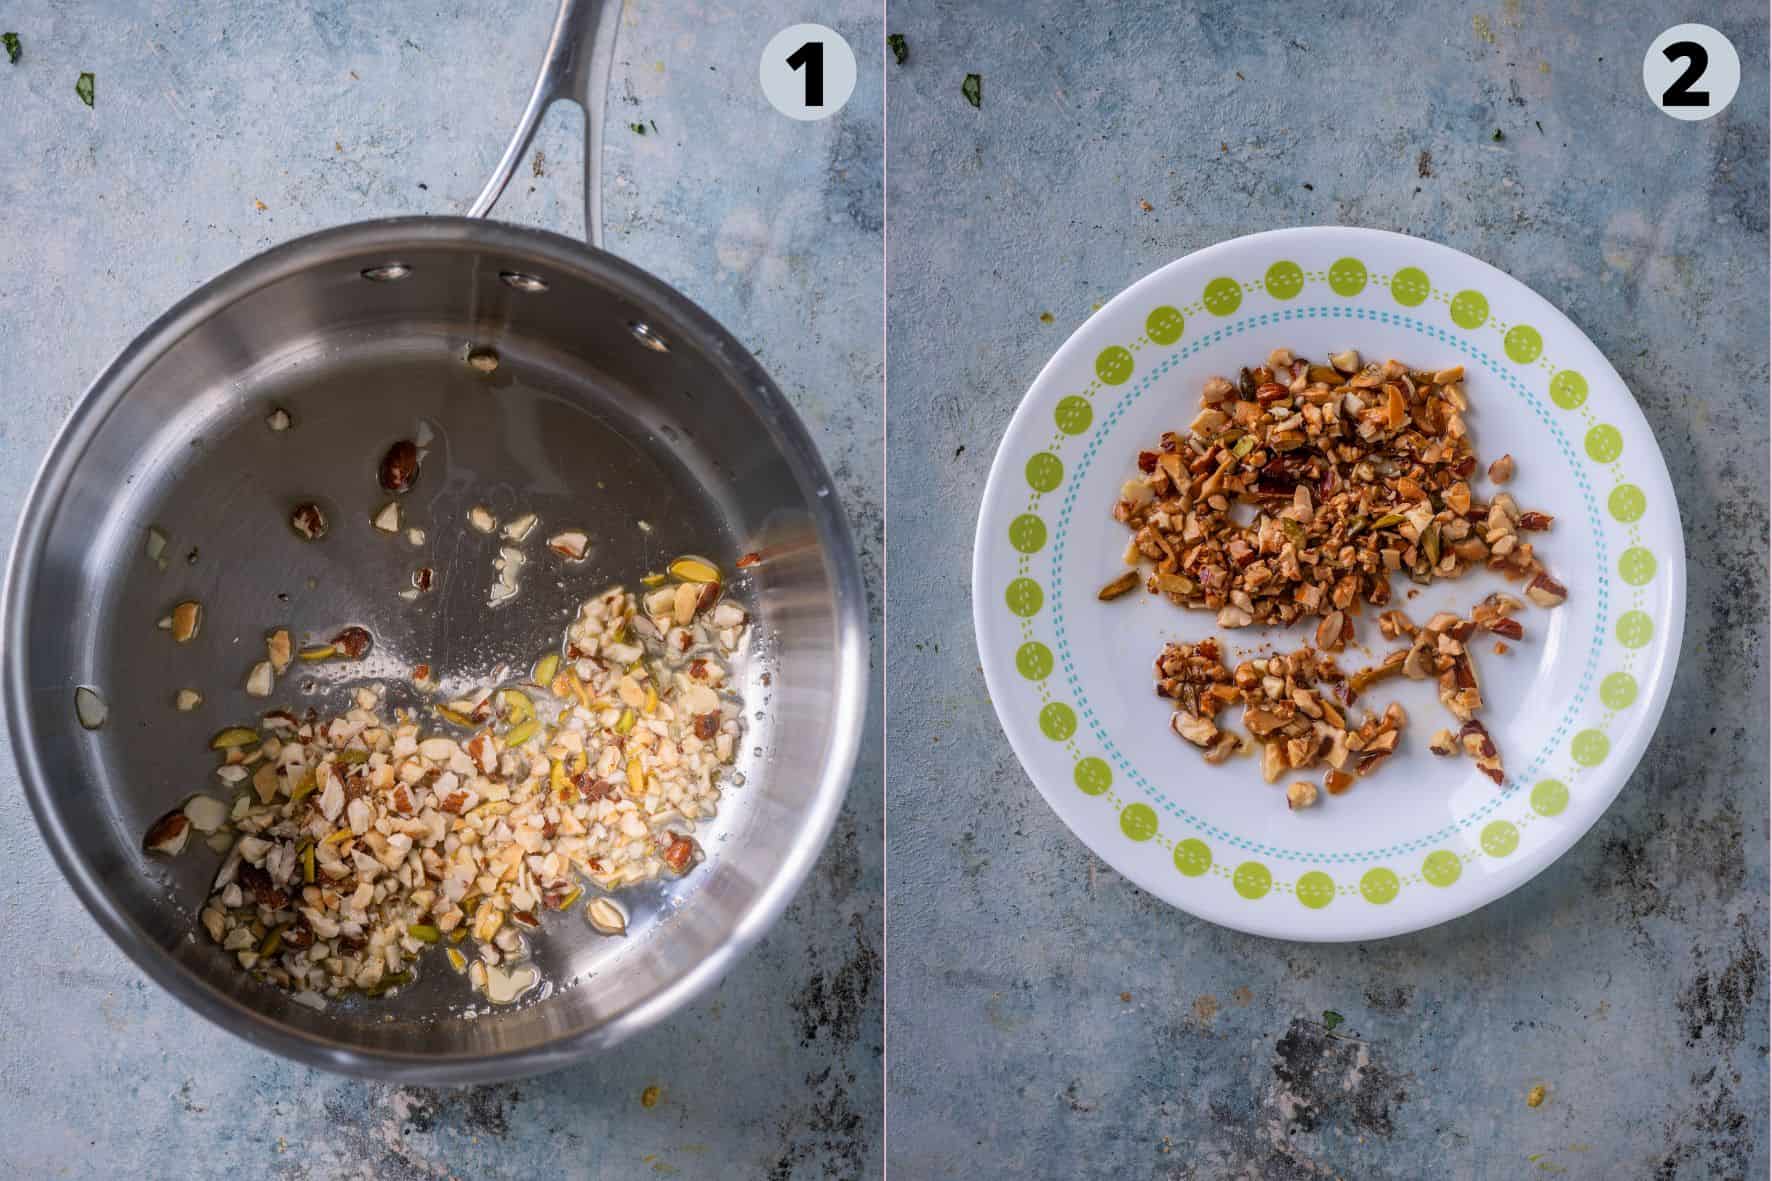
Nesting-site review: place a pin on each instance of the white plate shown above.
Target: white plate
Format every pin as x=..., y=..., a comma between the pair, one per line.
x=1425, y=839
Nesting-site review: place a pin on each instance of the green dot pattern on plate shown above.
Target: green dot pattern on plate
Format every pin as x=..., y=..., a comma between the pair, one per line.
x=1618, y=690
x=1192, y=857
x=1499, y=838
x=1347, y=276
x=1034, y=660
x=1635, y=629
x=1284, y=279
x=1315, y=889
x=1523, y=344
x=1627, y=503
x=1045, y=472
x=1113, y=365
x=1138, y=821
x=1058, y=721
x=1604, y=443
x=1470, y=309
x=1093, y=776
x=1568, y=389
x=1636, y=565
x=1410, y=287
x=1165, y=325
x=1441, y=868
x=1379, y=885
x=1550, y=797
x=1590, y=747
x=1252, y=880
x=1024, y=597
x=1073, y=415
x=1222, y=296
x=1027, y=533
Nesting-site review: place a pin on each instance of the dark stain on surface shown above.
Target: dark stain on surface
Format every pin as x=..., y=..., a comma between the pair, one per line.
x=841, y=1002
x=1341, y=1082
x=1717, y=1004
x=1390, y=998
x=825, y=1138
x=476, y=1111
x=1713, y=1138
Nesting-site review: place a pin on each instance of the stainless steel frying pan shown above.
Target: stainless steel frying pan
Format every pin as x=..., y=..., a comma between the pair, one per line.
x=618, y=406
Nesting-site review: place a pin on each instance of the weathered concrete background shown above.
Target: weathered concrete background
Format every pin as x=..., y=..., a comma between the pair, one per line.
x=334, y=112
x=1047, y=1019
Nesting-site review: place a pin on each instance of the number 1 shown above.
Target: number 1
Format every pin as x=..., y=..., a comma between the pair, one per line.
x=811, y=55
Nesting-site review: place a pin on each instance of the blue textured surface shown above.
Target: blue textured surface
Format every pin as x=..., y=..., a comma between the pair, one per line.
x=1045, y=1017
x=333, y=112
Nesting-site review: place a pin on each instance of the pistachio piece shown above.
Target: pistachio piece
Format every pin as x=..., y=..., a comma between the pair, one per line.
x=1118, y=586
x=90, y=708
x=316, y=652
x=233, y=737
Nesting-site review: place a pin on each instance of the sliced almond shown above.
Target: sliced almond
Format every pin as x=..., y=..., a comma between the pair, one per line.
x=481, y=518
x=260, y=680
x=388, y=518
x=206, y=813
x=606, y=916
x=571, y=544
x=90, y=708
x=279, y=420
x=187, y=700
x=168, y=834
x=520, y=528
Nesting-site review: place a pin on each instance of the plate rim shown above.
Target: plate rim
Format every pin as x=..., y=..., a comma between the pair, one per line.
x=1382, y=922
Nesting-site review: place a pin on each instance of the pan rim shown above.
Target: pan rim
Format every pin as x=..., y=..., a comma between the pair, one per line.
x=788, y=435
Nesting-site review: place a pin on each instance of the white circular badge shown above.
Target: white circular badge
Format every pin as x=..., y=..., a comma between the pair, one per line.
x=1691, y=72
x=807, y=72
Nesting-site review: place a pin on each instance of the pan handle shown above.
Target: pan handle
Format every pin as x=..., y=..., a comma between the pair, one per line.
x=581, y=50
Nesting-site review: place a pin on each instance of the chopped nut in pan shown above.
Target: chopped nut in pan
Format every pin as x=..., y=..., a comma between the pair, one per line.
x=366, y=838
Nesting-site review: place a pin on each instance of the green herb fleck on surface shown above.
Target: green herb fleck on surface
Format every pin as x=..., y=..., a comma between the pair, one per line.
x=13, y=48
x=973, y=89
x=1331, y=1019
x=900, y=50
x=83, y=88
x=1498, y=137
x=637, y=128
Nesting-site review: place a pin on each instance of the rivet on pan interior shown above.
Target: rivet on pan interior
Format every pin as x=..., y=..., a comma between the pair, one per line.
x=645, y=335
x=387, y=273
x=522, y=282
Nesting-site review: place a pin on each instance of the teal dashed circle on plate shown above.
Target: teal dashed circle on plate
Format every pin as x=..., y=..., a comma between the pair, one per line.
x=1114, y=365
x=1073, y=415
x=1138, y=821
x=1568, y=389
x=1093, y=776
x=1604, y=443
x=1027, y=533
x=1550, y=797
x=1192, y=857
x=1635, y=629
x=1441, y=868
x=1024, y=597
x=1379, y=885
x=1045, y=471
x=1222, y=296
x=1410, y=286
x=1058, y=721
x=1470, y=309
x=1636, y=565
x=1627, y=503
x=1499, y=838
x=1618, y=690
x=1033, y=660
x=1315, y=889
x=1252, y=880
x=1347, y=277
x=1165, y=325
x=1522, y=344
x=1284, y=279
x=1590, y=748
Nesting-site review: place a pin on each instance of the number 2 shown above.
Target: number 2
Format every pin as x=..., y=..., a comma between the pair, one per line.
x=811, y=55
x=1681, y=94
